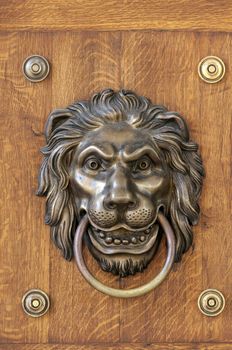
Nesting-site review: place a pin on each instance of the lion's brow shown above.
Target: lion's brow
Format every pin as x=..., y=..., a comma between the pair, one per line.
x=106, y=153
x=139, y=152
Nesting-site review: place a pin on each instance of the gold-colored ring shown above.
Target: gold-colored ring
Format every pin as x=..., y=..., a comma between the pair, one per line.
x=129, y=293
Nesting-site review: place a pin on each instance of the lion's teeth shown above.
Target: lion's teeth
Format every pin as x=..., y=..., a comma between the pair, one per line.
x=109, y=240
x=117, y=241
x=125, y=241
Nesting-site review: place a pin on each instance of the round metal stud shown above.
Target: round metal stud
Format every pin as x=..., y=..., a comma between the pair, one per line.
x=211, y=69
x=211, y=302
x=36, y=68
x=35, y=303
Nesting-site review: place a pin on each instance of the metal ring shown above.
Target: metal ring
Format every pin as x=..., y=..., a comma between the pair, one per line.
x=129, y=293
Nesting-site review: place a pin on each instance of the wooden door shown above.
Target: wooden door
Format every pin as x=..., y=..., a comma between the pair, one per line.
x=153, y=48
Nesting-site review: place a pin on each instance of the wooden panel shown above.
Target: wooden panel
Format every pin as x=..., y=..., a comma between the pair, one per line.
x=112, y=14
x=216, y=131
x=84, y=63
x=163, y=66
x=24, y=242
x=160, y=346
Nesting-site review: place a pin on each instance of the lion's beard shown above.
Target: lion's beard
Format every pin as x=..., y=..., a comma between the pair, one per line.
x=123, y=267
x=123, y=264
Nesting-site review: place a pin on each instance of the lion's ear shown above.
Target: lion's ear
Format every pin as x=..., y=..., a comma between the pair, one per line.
x=55, y=119
x=174, y=122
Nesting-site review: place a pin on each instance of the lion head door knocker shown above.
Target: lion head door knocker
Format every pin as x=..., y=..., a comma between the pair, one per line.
x=119, y=172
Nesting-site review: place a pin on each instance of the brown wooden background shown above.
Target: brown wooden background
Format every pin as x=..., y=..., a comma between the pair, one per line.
x=161, y=65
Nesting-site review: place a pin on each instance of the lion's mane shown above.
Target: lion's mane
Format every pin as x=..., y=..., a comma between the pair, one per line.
x=66, y=128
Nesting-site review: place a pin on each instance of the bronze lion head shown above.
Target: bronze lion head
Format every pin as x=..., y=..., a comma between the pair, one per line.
x=120, y=159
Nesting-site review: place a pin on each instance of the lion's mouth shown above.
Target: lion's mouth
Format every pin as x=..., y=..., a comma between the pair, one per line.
x=123, y=241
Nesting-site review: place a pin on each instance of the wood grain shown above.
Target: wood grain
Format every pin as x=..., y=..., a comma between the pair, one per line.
x=86, y=63
x=24, y=242
x=153, y=65
x=215, y=110
x=162, y=66
x=160, y=346
x=115, y=15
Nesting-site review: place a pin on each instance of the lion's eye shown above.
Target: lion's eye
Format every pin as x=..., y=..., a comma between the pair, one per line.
x=92, y=164
x=143, y=164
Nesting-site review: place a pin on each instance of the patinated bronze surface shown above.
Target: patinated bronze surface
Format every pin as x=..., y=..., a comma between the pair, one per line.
x=120, y=160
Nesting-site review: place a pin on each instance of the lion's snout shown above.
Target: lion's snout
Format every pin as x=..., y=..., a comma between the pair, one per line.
x=140, y=217
x=120, y=203
x=135, y=219
x=102, y=218
x=120, y=193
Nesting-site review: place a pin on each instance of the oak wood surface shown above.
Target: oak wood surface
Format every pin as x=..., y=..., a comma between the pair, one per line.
x=160, y=346
x=24, y=248
x=114, y=15
x=162, y=66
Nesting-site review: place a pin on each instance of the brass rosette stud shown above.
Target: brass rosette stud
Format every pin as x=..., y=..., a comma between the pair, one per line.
x=211, y=69
x=36, y=68
x=35, y=303
x=211, y=302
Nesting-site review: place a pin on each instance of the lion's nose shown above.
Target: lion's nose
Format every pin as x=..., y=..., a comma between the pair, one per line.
x=120, y=192
x=122, y=201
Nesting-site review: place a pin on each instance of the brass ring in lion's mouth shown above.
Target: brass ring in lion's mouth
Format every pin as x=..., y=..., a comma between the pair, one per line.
x=134, y=292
